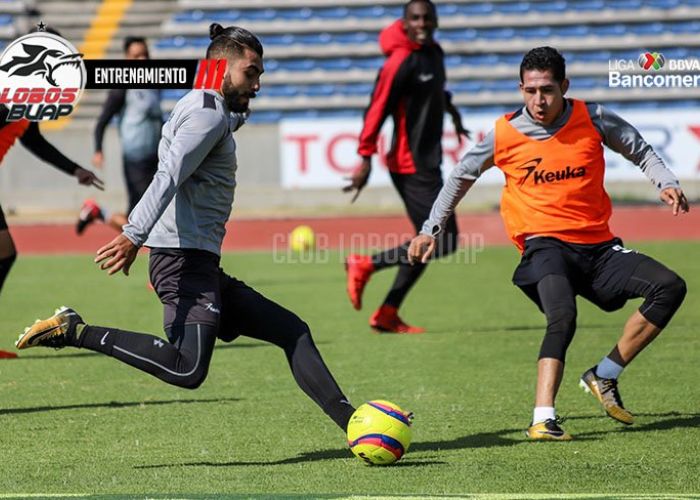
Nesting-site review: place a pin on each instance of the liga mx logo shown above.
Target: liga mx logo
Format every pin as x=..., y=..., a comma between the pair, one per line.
x=651, y=60
x=42, y=77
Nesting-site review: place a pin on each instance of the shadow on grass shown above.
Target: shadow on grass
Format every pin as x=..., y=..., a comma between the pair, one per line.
x=90, y=354
x=676, y=421
x=481, y=440
x=111, y=404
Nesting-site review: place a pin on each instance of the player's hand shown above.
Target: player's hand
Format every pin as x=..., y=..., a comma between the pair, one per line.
x=117, y=255
x=421, y=248
x=87, y=178
x=462, y=133
x=359, y=178
x=676, y=198
x=98, y=160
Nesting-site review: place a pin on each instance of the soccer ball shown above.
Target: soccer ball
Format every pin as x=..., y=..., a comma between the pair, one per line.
x=302, y=239
x=379, y=432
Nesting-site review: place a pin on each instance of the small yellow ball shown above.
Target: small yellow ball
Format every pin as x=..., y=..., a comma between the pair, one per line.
x=302, y=239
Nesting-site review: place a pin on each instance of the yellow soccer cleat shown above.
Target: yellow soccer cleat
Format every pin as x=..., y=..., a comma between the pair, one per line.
x=549, y=430
x=57, y=331
x=605, y=389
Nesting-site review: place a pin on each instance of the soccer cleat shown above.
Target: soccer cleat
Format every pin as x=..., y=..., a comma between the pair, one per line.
x=89, y=213
x=605, y=389
x=359, y=269
x=549, y=430
x=57, y=331
x=386, y=320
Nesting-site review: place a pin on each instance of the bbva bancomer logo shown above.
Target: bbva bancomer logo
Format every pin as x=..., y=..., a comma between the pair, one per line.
x=42, y=77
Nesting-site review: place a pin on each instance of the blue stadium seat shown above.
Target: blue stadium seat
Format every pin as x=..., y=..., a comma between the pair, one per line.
x=314, y=38
x=587, y=83
x=496, y=33
x=480, y=59
x=557, y=6
x=324, y=90
x=279, y=91
x=294, y=14
x=474, y=9
x=447, y=9
x=331, y=13
x=513, y=59
x=623, y=4
x=690, y=27
x=662, y=4
x=465, y=86
x=594, y=56
x=511, y=7
x=259, y=14
x=583, y=5
x=533, y=32
x=353, y=38
x=360, y=89
x=334, y=64
x=509, y=85
x=647, y=28
x=296, y=64
x=453, y=60
x=368, y=12
x=570, y=31
x=367, y=63
x=608, y=29
x=277, y=39
x=460, y=35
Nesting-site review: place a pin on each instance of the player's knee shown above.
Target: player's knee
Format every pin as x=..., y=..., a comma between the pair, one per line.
x=561, y=325
x=675, y=289
x=7, y=261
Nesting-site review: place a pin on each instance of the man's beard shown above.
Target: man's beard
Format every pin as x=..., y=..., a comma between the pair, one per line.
x=233, y=98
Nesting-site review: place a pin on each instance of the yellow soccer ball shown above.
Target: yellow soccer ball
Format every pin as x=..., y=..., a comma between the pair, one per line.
x=379, y=432
x=302, y=239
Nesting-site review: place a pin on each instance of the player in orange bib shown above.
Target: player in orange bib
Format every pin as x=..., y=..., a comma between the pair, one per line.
x=556, y=211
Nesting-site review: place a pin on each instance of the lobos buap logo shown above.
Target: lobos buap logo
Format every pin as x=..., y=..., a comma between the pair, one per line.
x=42, y=77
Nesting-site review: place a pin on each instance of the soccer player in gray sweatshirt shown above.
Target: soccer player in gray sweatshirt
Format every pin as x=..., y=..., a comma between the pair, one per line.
x=181, y=218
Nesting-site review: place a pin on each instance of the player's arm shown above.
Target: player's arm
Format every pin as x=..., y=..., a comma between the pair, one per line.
x=456, y=117
x=116, y=99
x=194, y=138
x=385, y=97
x=37, y=144
x=625, y=139
x=461, y=179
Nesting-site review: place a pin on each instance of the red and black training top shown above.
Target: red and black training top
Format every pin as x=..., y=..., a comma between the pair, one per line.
x=411, y=87
x=29, y=135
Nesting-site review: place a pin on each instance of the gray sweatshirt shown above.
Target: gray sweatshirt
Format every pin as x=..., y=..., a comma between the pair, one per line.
x=189, y=200
x=615, y=132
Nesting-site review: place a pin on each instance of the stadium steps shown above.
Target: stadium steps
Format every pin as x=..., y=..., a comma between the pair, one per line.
x=534, y=19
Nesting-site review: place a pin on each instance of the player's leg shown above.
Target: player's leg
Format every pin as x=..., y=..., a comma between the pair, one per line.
x=624, y=274
x=187, y=285
x=247, y=312
x=418, y=192
x=8, y=252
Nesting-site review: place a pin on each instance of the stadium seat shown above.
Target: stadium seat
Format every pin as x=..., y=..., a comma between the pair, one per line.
x=583, y=5
x=511, y=7
x=474, y=9
x=460, y=35
x=607, y=29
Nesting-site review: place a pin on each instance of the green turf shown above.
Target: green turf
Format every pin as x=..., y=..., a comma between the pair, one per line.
x=77, y=422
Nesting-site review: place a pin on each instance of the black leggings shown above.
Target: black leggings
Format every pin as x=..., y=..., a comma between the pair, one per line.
x=418, y=192
x=662, y=289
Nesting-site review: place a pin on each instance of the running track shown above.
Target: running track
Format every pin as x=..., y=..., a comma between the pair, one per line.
x=630, y=223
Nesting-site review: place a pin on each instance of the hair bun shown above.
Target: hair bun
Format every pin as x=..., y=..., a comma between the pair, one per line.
x=215, y=29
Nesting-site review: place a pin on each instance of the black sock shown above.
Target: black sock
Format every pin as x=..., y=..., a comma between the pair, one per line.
x=184, y=363
x=405, y=279
x=5, y=266
x=314, y=378
x=390, y=257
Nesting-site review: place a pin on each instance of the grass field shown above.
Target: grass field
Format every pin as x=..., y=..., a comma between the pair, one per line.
x=74, y=422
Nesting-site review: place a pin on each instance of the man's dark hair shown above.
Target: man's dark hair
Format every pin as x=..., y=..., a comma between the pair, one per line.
x=428, y=2
x=543, y=59
x=229, y=40
x=130, y=40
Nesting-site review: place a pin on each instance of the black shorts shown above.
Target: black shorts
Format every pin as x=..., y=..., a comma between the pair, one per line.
x=3, y=222
x=195, y=290
x=597, y=272
x=138, y=175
